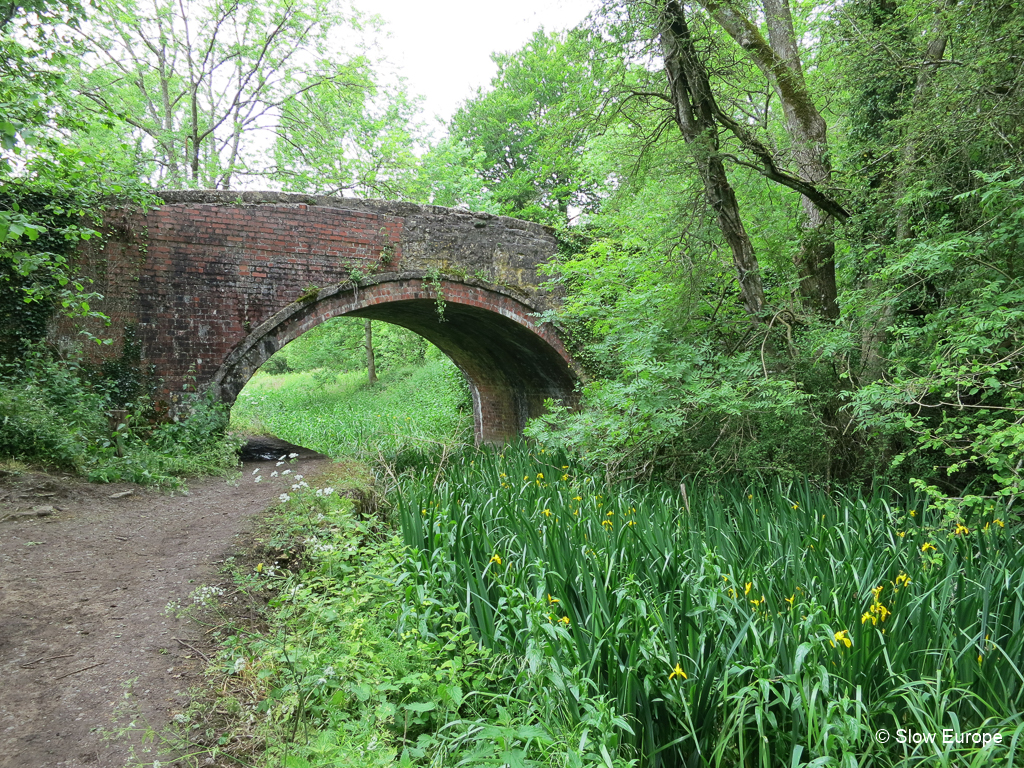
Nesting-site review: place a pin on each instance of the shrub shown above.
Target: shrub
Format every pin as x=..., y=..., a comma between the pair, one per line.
x=276, y=365
x=51, y=414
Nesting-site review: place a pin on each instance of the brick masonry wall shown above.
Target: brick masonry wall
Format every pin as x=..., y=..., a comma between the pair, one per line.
x=213, y=273
x=210, y=284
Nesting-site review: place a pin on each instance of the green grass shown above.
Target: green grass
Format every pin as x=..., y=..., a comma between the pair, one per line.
x=411, y=414
x=729, y=626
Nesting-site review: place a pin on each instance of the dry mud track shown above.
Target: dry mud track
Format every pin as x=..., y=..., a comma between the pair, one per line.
x=83, y=592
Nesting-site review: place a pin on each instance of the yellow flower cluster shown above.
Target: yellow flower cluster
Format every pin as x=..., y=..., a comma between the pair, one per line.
x=878, y=612
x=564, y=620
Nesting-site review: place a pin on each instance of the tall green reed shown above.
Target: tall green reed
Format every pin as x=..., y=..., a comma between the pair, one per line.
x=729, y=625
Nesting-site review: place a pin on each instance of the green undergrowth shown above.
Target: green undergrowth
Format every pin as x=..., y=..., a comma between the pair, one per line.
x=724, y=624
x=412, y=415
x=322, y=676
x=57, y=415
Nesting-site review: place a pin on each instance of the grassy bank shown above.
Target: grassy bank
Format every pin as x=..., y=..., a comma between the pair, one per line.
x=512, y=609
x=330, y=672
x=319, y=678
x=527, y=615
x=409, y=414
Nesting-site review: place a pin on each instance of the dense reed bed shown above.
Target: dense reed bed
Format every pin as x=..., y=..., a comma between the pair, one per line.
x=726, y=625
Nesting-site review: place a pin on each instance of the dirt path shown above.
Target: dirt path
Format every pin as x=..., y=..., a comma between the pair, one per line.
x=83, y=590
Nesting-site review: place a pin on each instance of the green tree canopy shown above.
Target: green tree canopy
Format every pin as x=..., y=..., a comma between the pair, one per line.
x=206, y=85
x=532, y=126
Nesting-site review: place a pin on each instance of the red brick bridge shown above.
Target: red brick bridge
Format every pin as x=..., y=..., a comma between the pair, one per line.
x=205, y=288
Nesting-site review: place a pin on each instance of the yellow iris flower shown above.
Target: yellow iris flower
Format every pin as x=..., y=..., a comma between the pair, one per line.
x=843, y=636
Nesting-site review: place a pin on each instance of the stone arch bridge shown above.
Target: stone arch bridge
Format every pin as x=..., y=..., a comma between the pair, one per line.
x=203, y=289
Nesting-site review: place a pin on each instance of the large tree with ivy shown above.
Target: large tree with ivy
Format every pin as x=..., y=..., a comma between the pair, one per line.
x=848, y=177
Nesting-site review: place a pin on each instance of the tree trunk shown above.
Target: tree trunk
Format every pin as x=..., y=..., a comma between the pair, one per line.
x=778, y=58
x=194, y=116
x=371, y=371
x=908, y=157
x=693, y=101
x=166, y=115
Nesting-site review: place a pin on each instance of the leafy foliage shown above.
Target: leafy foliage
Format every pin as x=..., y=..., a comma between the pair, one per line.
x=196, y=83
x=956, y=372
x=687, y=386
x=48, y=188
x=52, y=414
x=55, y=411
x=338, y=345
x=724, y=625
x=917, y=378
x=530, y=128
x=450, y=174
x=349, y=136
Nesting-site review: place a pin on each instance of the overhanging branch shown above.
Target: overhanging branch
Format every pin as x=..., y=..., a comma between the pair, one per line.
x=771, y=171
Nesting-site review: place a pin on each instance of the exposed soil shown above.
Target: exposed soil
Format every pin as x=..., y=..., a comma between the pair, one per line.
x=86, y=573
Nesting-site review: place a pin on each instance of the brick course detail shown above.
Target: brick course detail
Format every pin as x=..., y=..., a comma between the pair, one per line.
x=211, y=284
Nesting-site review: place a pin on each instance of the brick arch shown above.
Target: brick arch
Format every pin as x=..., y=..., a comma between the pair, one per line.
x=202, y=289
x=513, y=362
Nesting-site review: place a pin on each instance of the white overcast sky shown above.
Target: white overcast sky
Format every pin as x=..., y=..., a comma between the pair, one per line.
x=443, y=47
